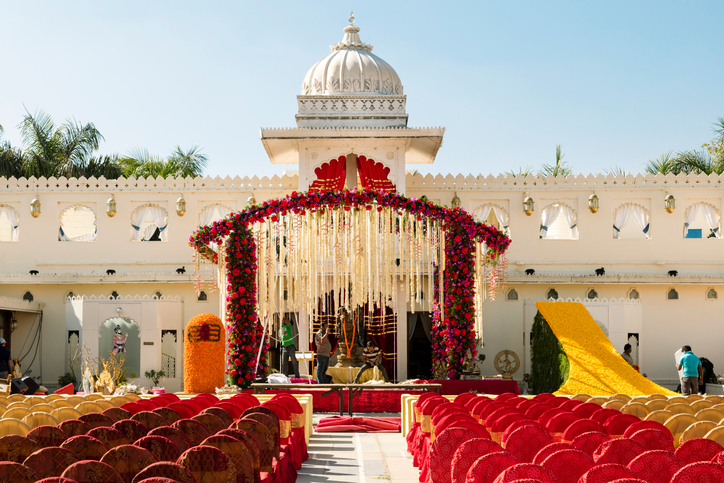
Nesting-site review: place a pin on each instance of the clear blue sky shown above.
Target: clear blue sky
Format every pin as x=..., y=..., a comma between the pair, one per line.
x=616, y=83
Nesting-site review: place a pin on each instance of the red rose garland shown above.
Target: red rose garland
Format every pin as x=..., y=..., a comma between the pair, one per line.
x=451, y=339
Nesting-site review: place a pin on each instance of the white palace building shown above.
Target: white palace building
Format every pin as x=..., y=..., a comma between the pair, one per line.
x=80, y=256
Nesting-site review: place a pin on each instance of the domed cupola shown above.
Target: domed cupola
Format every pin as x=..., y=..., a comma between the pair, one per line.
x=351, y=87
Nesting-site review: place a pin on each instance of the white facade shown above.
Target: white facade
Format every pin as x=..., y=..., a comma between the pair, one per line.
x=636, y=299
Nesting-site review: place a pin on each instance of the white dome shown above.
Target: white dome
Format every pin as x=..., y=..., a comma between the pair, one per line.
x=351, y=69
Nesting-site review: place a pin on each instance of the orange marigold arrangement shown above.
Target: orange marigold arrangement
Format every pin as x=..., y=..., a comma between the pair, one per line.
x=204, y=354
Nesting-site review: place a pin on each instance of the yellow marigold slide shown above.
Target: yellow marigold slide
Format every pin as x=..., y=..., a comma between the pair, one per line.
x=595, y=366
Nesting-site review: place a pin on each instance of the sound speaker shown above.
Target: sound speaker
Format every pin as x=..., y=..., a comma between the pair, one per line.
x=23, y=385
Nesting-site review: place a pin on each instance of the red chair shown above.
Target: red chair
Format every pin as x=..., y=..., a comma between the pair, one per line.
x=500, y=424
x=576, y=428
x=558, y=401
x=466, y=454
x=488, y=467
x=505, y=396
x=546, y=416
x=220, y=413
x=617, y=451
x=272, y=427
x=524, y=471
x=85, y=447
x=468, y=424
x=233, y=410
x=718, y=458
x=638, y=426
x=568, y=465
x=606, y=474
x=603, y=414
x=443, y=450
x=699, y=472
x=490, y=408
x=239, y=454
x=168, y=414
x=488, y=417
x=131, y=429
x=478, y=405
x=697, y=450
x=543, y=397
x=248, y=441
x=617, y=424
x=194, y=430
x=162, y=448
x=586, y=410
x=96, y=420
x=465, y=397
x=165, y=469
x=182, y=409
x=549, y=449
x=525, y=442
x=653, y=439
x=570, y=405
x=525, y=404
x=108, y=436
x=60, y=479
x=47, y=436
x=116, y=414
x=128, y=460
x=208, y=464
x=16, y=448
x=656, y=466
x=176, y=436
x=16, y=473
x=74, y=427
x=259, y=432
x=149, y=419
x=212, y=423
x=515, y=425
x=132, y=407
x=589, y=442
x=89, y=471
x=559, y=423
x=47, y=462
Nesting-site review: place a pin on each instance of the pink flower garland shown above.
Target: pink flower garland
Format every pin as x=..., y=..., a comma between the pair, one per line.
x=451, y=339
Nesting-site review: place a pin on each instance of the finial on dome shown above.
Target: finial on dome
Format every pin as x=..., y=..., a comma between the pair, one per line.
x=351, y=18
x=351, y=38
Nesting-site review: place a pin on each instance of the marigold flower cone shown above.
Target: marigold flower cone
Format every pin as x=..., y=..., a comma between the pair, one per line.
x=204, y=354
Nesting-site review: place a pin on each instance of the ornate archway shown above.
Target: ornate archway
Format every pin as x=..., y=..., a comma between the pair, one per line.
x=374, y=239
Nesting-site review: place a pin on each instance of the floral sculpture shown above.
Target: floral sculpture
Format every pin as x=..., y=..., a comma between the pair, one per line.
x=204, y=354
x=464, y=247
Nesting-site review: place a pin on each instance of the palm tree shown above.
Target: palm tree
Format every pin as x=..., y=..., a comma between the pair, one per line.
x=617, y=171
x=139, y=163
x=11, y=159
x=664, y=164
x=62, y=151
x=559, y=169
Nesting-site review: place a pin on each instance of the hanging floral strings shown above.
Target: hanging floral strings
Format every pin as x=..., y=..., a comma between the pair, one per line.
x=287, y=253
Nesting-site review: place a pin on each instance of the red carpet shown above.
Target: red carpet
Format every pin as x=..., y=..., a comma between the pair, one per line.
x=345, y=424
x=371, y=401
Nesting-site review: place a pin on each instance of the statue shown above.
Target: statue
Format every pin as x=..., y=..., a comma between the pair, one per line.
x=119, y=340
x=350, y=351
x=112, y=370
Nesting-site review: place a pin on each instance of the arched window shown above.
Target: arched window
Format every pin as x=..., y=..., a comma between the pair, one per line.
x=212, y=213
x=672, y=294
x=552, y=294
x=624, y=230
x=114, y=294
x=558, y=221
x=633, y=294
x=512, y=295
x=149, y=223
x=711, y=294
x=9, y=219
x=493, y=215
x=28, y=297
x=203, y=297
x=702, y=220
x=592, y=294
x=78, y=224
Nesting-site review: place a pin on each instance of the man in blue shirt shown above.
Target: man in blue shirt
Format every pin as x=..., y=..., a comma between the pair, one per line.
x=693, y=374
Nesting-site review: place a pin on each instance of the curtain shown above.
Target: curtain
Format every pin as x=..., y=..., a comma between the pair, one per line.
x=483, y=212
x=13, y=219
x=641, y=218
x=620, y=219
x=549, y=215
x=570, y=217
x=158, y=216
x=502, y=217
x=711, y=217
x=411, y=323
x=426, y=321
x=689, y=217
x=213, y=213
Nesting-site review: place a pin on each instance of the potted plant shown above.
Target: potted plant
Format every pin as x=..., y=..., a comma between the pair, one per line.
x=155, y=376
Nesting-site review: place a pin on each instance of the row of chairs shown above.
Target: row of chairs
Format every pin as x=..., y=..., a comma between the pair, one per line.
x=476, y=439
x=202, y=439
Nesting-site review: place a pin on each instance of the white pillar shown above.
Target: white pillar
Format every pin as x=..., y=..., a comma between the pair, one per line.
x=303, y=327
x=401, y=314
x=351, y=167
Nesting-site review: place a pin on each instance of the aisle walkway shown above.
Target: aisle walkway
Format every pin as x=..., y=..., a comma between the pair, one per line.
x=357, y=457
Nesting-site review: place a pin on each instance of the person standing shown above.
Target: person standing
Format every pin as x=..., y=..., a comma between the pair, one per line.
x=324, y=351
x=693, y=374
x=372, y=356
x=6, y=360
x=627, y=355
x=288, y=348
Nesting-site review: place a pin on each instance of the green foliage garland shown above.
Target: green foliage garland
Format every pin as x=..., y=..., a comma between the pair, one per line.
x=550, y=363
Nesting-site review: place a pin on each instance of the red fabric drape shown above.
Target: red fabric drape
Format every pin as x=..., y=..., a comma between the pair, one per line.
x=381, y=329
x=330, y=176
x=374, y=175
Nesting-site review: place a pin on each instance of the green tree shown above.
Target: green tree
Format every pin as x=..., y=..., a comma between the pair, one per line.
x=11, y=159
x=707, y=161
x=664, y=164
x=560, y=168
x=66, y=150
x=139, y=163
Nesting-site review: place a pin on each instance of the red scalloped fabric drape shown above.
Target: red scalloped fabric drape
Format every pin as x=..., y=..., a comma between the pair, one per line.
x=374, y=175
x=330, y=176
